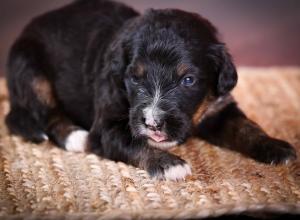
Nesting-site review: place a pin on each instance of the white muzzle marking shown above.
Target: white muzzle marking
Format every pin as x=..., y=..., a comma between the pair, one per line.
x=152, y=112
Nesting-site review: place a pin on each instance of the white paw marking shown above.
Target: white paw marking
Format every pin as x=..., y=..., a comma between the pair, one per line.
x=178, y=172
x=76, y=141
x=164, y=145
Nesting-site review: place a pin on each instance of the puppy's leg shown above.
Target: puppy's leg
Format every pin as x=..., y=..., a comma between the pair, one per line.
x=38, y=120
x=112, y=139
x=21, y=122
x=29, y=91
x=65, y=134
x=34, y=112
x=231, y=128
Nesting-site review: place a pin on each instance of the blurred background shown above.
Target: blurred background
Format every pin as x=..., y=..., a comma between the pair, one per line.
x=257, y=32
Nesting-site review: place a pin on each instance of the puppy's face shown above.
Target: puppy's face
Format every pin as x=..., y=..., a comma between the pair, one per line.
x=173, y=68
x=163, y=99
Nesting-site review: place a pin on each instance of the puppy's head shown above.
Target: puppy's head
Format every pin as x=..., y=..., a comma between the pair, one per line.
x=175, y=67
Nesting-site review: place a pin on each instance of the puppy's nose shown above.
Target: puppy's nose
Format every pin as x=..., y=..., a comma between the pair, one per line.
x=154, y=125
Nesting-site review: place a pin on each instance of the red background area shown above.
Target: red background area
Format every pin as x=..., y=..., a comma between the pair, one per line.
x=258, y=33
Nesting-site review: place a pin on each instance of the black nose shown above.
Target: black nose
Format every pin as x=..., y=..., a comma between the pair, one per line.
x=156, y=126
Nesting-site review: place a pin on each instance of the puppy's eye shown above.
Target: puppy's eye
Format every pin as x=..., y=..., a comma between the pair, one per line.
x=188, y=81
x=134, y=79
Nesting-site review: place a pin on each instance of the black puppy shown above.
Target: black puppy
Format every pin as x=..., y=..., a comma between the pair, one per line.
x=97, y=76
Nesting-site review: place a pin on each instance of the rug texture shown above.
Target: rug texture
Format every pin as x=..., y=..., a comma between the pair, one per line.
x=42, y=181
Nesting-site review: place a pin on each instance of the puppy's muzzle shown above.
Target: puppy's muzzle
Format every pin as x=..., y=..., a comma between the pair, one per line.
x=154, y=123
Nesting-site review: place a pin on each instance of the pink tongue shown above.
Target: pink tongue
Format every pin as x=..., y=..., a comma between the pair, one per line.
x=158, y=137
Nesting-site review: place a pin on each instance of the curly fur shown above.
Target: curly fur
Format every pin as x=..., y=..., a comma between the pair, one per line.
x=100, y=66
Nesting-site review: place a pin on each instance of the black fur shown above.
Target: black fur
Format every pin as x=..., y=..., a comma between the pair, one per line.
x=97, y=65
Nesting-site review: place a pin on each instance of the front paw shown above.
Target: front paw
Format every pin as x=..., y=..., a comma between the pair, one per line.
x=273, y=151
x=168, y=167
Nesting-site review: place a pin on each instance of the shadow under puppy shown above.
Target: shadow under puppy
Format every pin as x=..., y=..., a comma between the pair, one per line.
x=97, y=76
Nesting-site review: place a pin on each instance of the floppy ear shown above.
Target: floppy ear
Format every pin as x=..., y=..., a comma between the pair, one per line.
x=225, y=71
x=115, y=64
x=114, y=60
x=109, y=83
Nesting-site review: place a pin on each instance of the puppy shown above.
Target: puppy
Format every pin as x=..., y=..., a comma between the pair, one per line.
x=96, y=76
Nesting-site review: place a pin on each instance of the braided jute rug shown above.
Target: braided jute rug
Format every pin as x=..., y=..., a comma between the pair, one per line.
x=44, y=182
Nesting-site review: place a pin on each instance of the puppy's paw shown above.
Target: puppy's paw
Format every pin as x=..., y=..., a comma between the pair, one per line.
x=168, y=167
x=274, y=151
x=177, y=172
x=76, y=141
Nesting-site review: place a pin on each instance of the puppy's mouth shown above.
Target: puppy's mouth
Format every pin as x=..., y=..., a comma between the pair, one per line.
x=159, y=139
x=157, y=136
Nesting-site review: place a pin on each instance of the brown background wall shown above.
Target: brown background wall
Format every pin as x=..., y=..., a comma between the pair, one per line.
x=257, y=32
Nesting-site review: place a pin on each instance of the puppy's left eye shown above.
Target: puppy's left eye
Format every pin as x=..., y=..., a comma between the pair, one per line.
x=188, y=81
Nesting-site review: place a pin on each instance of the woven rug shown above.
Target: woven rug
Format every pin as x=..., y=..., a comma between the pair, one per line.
x=42, y=181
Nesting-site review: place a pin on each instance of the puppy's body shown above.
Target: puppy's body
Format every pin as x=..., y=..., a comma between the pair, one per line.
x=66, y=47
x=96, y=76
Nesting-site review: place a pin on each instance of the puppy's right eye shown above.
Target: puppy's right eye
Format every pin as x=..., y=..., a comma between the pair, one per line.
x=188, y=81
x=134, y=79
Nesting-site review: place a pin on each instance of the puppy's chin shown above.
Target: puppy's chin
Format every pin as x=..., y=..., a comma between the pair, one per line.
x=163, y=145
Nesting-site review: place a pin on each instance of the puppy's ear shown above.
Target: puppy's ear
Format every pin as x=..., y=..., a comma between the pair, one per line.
x=225, y=71
x=115, y=59
x=109, y=89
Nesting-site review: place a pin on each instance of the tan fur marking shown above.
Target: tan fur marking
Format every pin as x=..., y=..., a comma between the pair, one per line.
x=182, y=69
x=61, y=126
x=211, y=106
x=43, y=90
x=202, y=108
x=139, y=69
x=219, y=104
